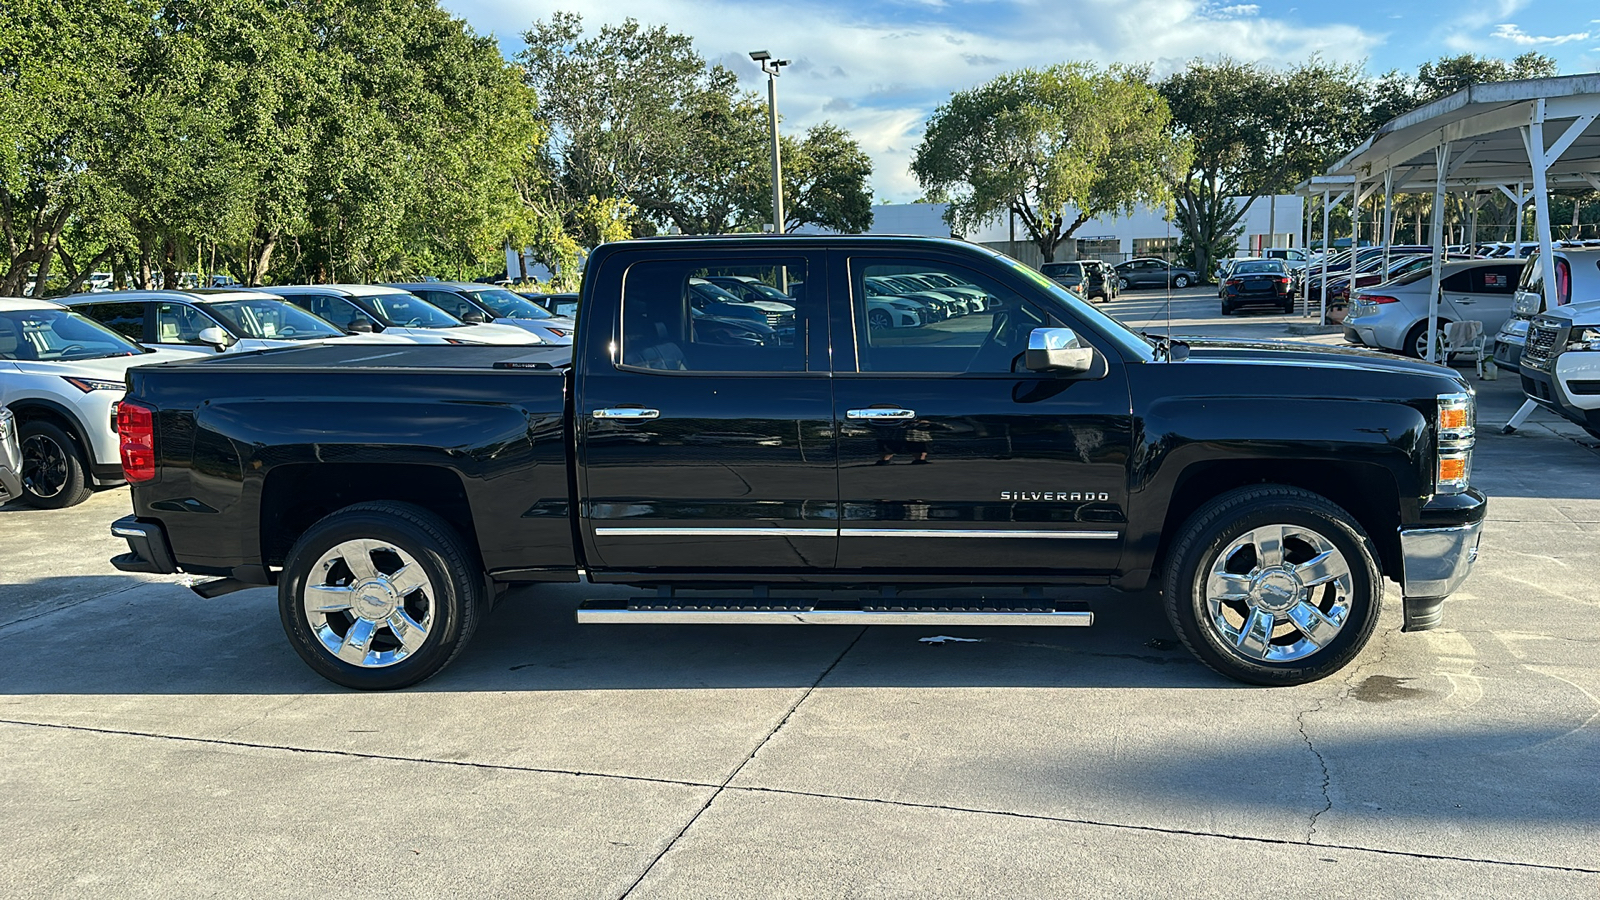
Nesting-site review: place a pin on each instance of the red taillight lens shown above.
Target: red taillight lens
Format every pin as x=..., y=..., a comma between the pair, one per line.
x=1379, y=298
x=1235, y=282
x=136, y=433
x=1283, y=280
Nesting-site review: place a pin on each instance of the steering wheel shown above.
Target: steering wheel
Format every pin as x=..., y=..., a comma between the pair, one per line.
x=414, y=323
x=69, y=348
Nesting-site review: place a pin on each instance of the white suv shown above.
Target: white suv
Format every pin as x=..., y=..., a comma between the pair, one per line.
x=62, y=374
x=1577, y=281
x=1561, y=367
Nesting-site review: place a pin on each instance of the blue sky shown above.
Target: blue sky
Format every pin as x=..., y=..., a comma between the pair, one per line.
x=879, y=67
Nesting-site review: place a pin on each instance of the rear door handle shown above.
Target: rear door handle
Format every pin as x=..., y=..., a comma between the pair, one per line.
x=627, y=413
x=881, y=415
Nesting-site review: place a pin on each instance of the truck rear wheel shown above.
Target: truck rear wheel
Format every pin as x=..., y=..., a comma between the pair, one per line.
x=380, y=596
x=1273, y=585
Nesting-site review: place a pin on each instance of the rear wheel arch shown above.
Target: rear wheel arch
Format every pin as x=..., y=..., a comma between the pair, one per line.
x=296, y=496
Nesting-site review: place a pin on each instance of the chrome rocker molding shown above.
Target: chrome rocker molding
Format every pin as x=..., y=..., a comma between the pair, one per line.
x=1436, y=561
x=611, y=531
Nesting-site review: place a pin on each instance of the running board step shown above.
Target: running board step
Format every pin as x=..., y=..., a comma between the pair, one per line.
x=655, y=612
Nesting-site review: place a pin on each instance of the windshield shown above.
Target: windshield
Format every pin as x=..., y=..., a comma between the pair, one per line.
x=273, y=319
x=772, y=293
x=58, y=334
x=710, y=291
x=507, y=305
x=1260, y=267
x=407, y=311
x=1134, y=345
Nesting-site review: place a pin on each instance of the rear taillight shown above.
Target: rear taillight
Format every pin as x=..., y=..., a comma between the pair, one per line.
x=136, y=438
x=1283, y=279
x=1379, y=298
x=1234, y=282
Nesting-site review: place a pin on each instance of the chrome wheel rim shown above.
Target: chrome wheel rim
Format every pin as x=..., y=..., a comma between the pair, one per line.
x=44, y=466
x=369, y=603
x=1278, y=594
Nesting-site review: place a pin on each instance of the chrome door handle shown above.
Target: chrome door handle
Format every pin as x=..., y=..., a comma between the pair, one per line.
x=881, y=415
x=627, y=413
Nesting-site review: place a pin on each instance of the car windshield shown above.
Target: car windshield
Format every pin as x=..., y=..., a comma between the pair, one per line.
x=1135, y=345
x=273, y=319
x=1260, y=267
x=508, y=305
x=58, y=334
x=407, y=311
x=772, y=293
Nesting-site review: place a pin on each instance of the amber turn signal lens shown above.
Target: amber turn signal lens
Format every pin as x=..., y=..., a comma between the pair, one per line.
x=1453, y=418
x=1452, y=470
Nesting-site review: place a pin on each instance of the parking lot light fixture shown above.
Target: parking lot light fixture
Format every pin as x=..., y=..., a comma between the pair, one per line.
x=772, y=67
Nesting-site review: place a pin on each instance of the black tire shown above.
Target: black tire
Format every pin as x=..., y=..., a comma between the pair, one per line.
x=54, y=474
x=454, y=595
x=1413, y=346
x=1217, y=526
x=1180, y=282
x=1227, y=310
x=1288, y=307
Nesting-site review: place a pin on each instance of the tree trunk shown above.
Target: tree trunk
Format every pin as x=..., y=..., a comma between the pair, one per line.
x=170, y=279
x=261, y=260
x=84, y=273
x=522, y=265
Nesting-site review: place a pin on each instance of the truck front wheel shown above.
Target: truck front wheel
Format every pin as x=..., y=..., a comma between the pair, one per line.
x=380, y=596
x=1273, y=585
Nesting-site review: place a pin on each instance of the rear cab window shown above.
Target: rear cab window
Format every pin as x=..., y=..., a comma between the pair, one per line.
x=676, y=319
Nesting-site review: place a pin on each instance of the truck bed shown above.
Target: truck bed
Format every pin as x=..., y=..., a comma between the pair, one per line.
x=481, y=430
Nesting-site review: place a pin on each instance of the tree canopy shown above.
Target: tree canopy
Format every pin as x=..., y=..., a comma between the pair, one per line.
x=1041, y=142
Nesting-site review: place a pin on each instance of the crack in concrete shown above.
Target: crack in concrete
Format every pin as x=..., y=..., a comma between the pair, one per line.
x=908, y=804
x=1327, y=780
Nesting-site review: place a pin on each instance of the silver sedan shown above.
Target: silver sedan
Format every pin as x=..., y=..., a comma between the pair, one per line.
x=1394, y=315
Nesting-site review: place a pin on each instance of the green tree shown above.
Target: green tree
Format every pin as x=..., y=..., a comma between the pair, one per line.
x=1046, y=144
x=1254, y=131
x=826, y=178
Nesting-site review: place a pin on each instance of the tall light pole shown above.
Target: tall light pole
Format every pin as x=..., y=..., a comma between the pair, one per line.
x=771, y=67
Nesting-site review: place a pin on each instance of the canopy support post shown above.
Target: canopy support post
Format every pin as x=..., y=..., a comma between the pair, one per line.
x=1441, y=168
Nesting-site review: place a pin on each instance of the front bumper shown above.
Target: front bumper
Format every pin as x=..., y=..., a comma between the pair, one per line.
x=148, y=550
x=1508, y=344
x=1436, y=561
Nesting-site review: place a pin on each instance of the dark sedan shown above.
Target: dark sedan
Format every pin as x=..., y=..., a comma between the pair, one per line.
x=1154, y=273
x=1257, y=282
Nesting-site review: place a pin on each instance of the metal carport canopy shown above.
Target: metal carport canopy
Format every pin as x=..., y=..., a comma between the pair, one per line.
x=1505, y=135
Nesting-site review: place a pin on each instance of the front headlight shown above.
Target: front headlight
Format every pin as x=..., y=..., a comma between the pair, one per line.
x=1515, y=328
x=7, y=422
x=1456, y=434
x=1526, y=304
x=1585, y=339
x=88, y=385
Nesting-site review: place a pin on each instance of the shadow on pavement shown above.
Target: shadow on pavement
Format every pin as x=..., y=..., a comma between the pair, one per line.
x=159, y=638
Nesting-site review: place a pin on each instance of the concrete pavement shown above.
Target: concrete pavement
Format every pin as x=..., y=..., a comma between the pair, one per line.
x=156, y=744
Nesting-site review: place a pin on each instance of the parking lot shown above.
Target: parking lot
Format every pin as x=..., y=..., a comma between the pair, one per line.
x=155, y=743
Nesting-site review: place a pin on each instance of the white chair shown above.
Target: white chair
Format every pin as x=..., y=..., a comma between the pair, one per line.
x=1467, y=339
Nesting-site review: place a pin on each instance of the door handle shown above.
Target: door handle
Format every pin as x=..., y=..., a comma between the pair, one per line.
x=627, y=414
x=881, y=415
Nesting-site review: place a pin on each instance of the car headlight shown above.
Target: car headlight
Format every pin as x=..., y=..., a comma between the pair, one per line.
x=1585, y=339
x=1515, y=328
x=1526, y=305
x=88, y=385
x=7, y=421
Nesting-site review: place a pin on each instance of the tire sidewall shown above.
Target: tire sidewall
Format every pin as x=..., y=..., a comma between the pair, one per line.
x=449, y=603
x=1189, y=607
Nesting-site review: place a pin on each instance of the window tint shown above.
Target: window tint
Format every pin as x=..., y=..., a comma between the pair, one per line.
x=1460, y=282
x=976, y=326
x=454, y=304
x=126, y=319
x=408, y=311
x=674, y=318
x=1264, y=267
x=177, y=323
x=337, y=310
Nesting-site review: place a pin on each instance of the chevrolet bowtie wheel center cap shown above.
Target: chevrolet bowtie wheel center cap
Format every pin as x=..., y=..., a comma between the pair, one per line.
x=375, y=599
x=1275, y=590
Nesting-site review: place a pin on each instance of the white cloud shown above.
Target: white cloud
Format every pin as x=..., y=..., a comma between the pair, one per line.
x=881, y=69
x=1509, y=32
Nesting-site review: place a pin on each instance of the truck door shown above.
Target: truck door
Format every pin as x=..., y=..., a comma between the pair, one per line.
x=953, y=457
x=706, y=439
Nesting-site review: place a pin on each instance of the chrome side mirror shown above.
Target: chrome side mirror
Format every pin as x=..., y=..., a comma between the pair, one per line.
x=216, y=337
x=1058, y=350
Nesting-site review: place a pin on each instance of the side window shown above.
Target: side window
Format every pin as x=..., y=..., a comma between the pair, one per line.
x=453, y=304
x=1495, y=279
x=126, y=319
x=674, y=318
x=341, y=312
x=180, y=324
x=1460, y=281
x=976, y=326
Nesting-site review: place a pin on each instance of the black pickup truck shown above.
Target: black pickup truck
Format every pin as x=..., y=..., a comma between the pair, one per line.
x=822, y=464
